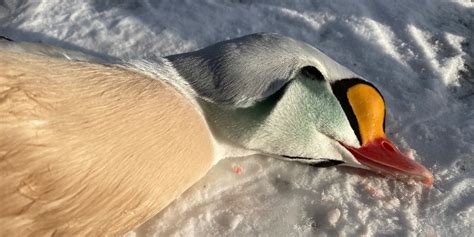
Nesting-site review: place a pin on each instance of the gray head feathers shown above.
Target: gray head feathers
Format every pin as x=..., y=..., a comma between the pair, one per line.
x=243, y=71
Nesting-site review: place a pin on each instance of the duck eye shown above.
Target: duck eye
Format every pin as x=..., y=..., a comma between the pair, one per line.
x=312, y=73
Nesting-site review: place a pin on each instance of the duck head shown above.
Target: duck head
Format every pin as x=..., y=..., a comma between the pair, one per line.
x=272, y=95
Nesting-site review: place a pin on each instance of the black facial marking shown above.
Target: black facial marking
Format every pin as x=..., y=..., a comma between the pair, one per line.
x=297, y=157
x=327, y=163
x=312, y=73
x=339, y=89
x=321, y=164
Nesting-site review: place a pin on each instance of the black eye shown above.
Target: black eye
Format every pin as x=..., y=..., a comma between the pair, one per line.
x=312, y=73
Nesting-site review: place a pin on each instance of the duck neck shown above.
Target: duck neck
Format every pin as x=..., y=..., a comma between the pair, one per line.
x=162, y=69
x=225, y=150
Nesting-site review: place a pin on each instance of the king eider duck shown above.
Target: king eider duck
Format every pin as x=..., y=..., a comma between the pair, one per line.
x=91, y=148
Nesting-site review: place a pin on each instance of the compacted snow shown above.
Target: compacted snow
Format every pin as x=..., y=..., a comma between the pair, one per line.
x=418, y=53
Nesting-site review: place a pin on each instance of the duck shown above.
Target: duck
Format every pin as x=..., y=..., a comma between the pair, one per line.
x=90, y=147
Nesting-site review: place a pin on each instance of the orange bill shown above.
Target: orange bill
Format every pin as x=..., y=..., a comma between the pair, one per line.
x=376, y=151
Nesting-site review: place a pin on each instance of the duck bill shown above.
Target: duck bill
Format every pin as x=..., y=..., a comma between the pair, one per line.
x=382, y=156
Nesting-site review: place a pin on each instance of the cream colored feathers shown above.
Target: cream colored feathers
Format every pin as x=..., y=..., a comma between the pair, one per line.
x=89, y=149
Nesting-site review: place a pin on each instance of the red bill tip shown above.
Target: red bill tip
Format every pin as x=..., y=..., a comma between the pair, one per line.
x=382, y=156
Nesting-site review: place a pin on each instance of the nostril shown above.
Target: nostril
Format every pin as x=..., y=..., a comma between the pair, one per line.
x=387, y=146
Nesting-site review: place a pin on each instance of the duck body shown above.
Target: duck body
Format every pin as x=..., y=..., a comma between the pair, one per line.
x=65, y=167
x=89, y=148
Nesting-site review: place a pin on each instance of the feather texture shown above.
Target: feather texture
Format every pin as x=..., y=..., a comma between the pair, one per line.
x=88, y=149
x=244, y=71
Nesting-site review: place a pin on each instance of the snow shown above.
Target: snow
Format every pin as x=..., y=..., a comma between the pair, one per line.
x=418, y=53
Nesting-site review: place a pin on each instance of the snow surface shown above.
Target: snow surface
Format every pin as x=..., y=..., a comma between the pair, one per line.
x=419, y=54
